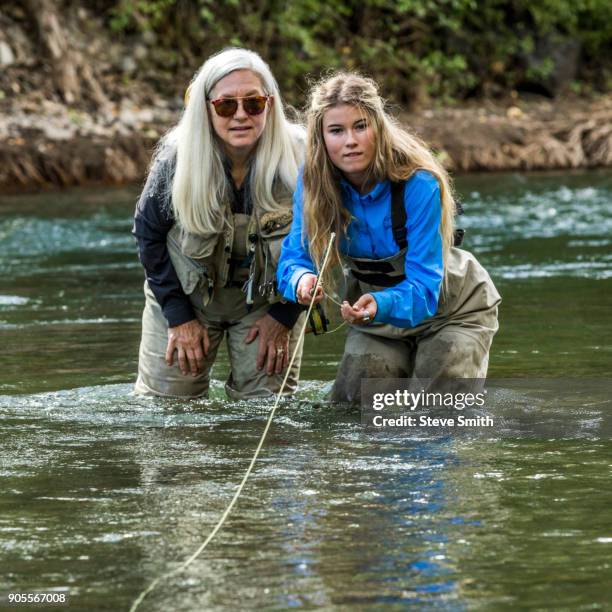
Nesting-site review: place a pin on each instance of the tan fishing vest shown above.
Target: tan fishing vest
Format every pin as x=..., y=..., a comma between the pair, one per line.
x=467, y=294
x=207, y=263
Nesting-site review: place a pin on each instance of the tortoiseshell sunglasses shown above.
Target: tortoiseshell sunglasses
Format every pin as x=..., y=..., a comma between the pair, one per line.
x=227, y=107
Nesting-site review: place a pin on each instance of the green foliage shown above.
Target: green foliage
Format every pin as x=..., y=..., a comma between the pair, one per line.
x=420, y=50
x=145, y=14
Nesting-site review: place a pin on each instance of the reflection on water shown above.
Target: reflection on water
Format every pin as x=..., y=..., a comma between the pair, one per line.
x=71, y=294
x=103, y=491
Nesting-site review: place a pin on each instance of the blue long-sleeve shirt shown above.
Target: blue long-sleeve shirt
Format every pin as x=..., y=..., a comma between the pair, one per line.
x=370, y=235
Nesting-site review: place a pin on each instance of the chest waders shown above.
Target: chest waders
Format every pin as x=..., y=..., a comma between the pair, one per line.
x=221, y=275
x=453, y=343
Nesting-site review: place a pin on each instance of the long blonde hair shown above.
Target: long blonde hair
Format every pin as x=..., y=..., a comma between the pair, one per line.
x=398, y=155
x=198, y=183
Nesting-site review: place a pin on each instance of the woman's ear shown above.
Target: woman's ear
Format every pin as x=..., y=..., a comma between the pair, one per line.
x=271, y=101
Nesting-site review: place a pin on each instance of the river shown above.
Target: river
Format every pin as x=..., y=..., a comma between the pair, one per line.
x=103, y=491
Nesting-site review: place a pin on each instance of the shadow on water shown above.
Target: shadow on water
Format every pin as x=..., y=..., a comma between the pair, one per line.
x=103, y=491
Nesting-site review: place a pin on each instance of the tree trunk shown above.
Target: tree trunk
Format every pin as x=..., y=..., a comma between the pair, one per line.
x=73, y=78
x=45, y=15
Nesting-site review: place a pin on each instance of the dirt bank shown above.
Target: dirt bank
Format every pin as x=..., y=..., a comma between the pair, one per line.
x=523, y=134
x=81, y=105
x=55, y=146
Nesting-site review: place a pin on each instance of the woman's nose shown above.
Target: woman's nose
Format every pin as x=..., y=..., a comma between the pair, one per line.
x=240, y=112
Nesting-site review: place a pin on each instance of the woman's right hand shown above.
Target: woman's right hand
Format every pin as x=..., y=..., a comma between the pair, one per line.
x=305, y=287
x=190, y=340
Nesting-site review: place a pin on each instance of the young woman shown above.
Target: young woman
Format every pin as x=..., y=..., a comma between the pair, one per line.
x=209, y=226
x=416, y=304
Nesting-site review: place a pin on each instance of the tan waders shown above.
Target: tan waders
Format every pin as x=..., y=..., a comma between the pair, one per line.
x=454, y=343
x=225, y=314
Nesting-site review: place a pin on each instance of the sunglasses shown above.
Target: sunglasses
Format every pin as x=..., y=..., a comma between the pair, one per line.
x=227, y=107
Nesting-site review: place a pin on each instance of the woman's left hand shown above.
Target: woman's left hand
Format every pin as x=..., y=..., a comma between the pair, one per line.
x=361, y=312
x=273, y=349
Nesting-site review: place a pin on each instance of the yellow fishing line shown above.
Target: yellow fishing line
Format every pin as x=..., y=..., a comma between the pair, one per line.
x=232, y=503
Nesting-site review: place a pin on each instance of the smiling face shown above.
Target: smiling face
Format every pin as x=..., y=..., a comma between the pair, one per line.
x=350, y=142
x=240, y=132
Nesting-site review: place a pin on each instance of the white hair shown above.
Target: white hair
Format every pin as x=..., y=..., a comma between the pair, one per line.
x=199, y=186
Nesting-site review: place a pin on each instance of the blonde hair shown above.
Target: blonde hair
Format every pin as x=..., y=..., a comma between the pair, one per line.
x=398, y=156
x=198, y=184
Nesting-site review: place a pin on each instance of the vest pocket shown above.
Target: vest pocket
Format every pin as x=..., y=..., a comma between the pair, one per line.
x=195, y=245
x=189, y=273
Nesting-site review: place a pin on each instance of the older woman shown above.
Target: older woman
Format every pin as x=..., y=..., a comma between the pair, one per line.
x=417, y=305
x=209, y=226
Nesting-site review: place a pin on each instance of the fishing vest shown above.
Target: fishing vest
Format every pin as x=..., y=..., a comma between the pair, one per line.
x=244, y=254
x=466, y=290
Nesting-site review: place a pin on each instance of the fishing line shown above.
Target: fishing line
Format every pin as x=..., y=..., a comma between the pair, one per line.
x=232, y=503
x=333, y=331
x=329, y=297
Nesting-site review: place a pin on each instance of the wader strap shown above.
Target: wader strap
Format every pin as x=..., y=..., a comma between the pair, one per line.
x=398, y=214
x=399, y=218
x=459, y=232
x=378, y=278
x=458, y=237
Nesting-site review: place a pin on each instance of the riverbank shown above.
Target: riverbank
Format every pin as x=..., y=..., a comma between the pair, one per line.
x=49, y=145
x=87, y=89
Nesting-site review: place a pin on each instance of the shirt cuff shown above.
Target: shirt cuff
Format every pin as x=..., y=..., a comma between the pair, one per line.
x=291, y=290
x=178, y=313
x=286, y=313
x=384, y=305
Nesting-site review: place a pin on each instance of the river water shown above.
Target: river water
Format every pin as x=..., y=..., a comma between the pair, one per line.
x=103, y=491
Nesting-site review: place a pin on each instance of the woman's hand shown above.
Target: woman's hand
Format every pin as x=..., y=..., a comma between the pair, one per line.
x=361, y=312
x=273, y=349
x=305, y=287
x=190, y=340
